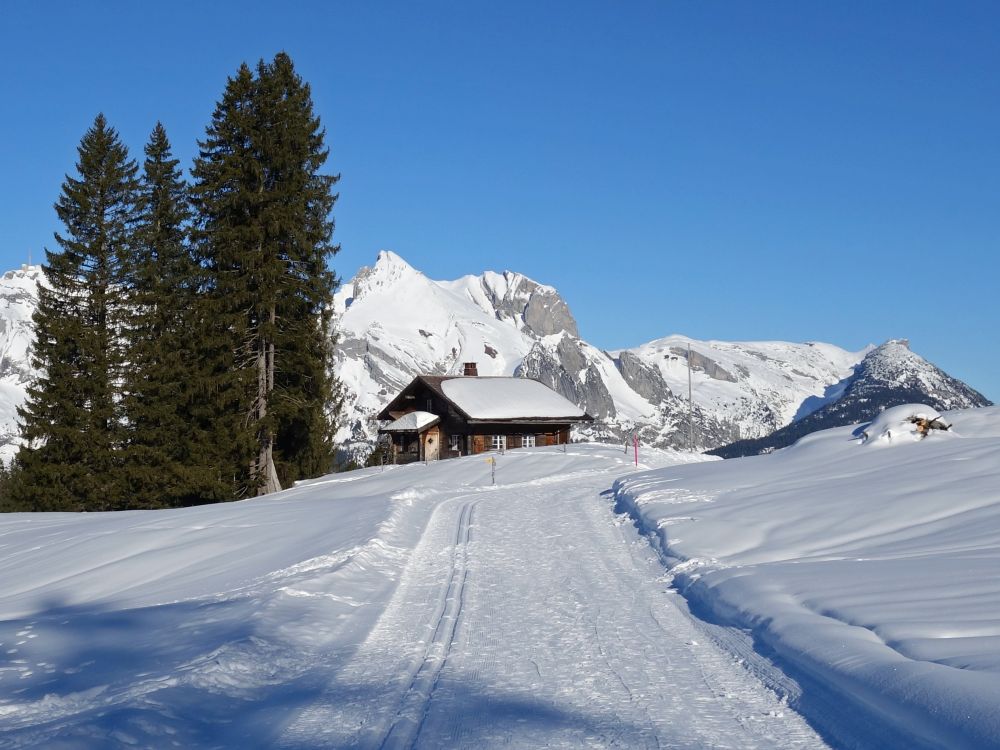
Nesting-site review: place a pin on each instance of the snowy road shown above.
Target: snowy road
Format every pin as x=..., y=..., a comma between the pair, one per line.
x=530, y=616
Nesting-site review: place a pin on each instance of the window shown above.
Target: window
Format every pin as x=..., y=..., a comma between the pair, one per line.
x=528, y=441
x=455, y=443
x=498, y=442
x=430, y=405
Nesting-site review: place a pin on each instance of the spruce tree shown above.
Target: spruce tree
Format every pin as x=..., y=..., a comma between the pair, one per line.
x=305, y=398
x=225, y=197
x=165, y=455
x=264, y=232
x=71, y=420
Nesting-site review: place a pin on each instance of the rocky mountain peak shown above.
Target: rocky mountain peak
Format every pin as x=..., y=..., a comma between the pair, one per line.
x=389, y=269
x=535, y=309
x=893, y=366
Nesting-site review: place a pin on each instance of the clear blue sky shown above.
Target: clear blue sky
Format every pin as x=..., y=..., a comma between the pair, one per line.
x=729, y=170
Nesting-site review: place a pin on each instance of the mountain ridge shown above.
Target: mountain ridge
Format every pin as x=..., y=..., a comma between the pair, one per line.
x=512, y=325
x=393, y=322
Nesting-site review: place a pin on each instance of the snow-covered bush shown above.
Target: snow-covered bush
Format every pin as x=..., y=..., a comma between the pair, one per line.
x=904, y=424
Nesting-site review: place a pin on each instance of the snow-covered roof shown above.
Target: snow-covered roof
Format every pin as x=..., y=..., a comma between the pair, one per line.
x=415, y=421
x=508, y=398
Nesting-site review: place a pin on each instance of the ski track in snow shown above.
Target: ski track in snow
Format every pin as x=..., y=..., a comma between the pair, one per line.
x=530, y=616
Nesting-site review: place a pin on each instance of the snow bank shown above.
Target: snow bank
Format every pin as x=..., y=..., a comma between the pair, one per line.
x=874, y=572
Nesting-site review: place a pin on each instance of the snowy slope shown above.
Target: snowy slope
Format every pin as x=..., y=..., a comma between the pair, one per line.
x=889, y=375
x=745, y=389
x=869, y=568
x=424, y=606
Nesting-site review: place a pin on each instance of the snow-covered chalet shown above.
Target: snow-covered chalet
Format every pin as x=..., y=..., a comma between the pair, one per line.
x=446, y=416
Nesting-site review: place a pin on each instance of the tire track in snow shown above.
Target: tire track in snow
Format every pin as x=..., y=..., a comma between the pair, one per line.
x=405, y=730
x=380, y=697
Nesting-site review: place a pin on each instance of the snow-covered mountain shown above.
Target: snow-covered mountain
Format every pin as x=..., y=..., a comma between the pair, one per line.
x=394, y=322
x=889, y=375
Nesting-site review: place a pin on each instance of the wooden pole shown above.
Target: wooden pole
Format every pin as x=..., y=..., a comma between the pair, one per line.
x=690, y=405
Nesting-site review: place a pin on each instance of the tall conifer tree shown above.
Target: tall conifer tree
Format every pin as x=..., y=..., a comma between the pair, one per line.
x=305, y=396
x=165, y=455
x=71, y=421
x=264, y=232
x=224, y=197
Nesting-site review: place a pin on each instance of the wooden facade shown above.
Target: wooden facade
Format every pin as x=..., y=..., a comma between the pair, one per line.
x=456, y=434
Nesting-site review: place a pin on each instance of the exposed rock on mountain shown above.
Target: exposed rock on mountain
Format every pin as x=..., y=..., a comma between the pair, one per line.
x=569, y=370
x=643, y=378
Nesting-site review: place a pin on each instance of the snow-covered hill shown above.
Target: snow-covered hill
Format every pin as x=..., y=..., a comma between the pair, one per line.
x=426, y=606
x=395, y=322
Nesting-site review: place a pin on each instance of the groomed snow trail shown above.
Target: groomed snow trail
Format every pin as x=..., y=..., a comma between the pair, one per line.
x=530, y=616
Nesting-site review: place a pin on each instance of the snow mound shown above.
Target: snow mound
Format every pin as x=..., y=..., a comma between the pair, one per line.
x=908, y=423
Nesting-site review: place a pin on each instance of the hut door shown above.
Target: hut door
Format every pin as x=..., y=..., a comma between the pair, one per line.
x=432, y=444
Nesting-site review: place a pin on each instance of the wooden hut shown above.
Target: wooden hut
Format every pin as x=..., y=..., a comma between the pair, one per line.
x=447, y=416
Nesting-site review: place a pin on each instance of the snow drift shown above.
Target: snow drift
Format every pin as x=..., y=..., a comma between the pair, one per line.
x=874, y=572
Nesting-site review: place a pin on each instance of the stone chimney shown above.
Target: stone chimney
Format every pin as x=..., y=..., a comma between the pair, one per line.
x=470, y=370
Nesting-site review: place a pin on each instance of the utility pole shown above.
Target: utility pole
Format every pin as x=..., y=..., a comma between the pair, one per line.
x=690, y=405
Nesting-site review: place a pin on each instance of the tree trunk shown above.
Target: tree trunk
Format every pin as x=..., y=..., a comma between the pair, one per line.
x=265, y=384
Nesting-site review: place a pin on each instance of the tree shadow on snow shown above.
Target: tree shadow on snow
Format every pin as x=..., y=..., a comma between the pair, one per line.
x=186, y=674
x=200, y=674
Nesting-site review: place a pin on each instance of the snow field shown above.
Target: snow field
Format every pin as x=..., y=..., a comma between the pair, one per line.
x=872, y=573
x=419, y=606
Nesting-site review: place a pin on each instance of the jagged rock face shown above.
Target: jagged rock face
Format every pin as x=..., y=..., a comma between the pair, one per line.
x=643, y=378
x=567, y=370
x=704, y=364
x=889, y=375
x=540, y=309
